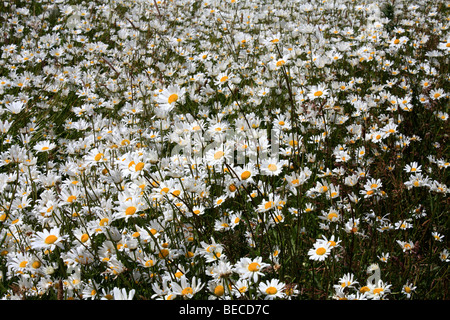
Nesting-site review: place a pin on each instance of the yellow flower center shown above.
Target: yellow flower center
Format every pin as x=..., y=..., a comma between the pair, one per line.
x=268, y=205
x=130, y=211
x=332, y=216
x=163, y=253
x=186, y=291
x=364, y=289
x=318, y=93
x=51, y=239
x=149, y=263
x=271, y=290
x=219, y=290
x=280, y=63
x=139, y=166
x=218, y=155
x=245, y=175
x=321, y=251
x=272, y=167
x=164, y=190
x=223, y=79
x=377, y=290
x=84, y=237
x=172, y=98
x=253, y=267
x=98, y=156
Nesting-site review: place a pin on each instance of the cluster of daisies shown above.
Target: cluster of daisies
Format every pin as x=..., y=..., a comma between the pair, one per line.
x=224, y=149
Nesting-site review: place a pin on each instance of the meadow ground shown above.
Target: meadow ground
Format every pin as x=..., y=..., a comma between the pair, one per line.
x=224, y=149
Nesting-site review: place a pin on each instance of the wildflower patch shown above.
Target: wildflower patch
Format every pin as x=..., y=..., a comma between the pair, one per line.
x=253, y=150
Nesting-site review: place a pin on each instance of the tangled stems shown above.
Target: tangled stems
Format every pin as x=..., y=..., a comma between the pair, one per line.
x=112, y=116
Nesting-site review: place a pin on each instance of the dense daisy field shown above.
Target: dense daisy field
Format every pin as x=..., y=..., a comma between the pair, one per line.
x=224, y=149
